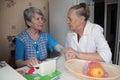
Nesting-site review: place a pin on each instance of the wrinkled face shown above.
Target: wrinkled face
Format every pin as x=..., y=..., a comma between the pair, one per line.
x=37, y=22
x=73, y=21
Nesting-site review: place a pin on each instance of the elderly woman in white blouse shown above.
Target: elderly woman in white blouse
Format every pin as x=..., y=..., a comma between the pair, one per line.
x=85, y=40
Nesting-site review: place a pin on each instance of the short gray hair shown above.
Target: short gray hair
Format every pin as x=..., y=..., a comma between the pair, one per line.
x=29, y=13
x=82, y=9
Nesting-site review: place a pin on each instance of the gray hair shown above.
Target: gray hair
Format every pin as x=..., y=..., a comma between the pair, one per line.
x=29, y=13
x=82, y=10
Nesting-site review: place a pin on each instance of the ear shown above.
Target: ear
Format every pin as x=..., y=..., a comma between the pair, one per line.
x=28, y=23
x=82, y=19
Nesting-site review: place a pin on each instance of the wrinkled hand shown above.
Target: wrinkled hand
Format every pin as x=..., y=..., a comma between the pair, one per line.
x=32, y=61
x=70, y=53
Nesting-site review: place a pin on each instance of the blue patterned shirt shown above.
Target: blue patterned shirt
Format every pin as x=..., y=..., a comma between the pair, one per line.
x=26, y=47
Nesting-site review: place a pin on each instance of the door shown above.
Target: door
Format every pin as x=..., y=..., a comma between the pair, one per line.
x=111, y=27
x=117, y=44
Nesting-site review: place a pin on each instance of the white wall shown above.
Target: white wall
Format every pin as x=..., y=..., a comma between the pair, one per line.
x=12, y=21
x=57, y=18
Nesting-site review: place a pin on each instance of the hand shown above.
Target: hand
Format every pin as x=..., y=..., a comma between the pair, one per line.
x=69, y=53
x=32, y=61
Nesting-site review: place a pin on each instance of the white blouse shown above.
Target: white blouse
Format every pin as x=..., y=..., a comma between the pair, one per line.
x=92, y=40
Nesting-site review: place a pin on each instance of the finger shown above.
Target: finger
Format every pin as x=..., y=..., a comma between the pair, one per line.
x=69, y=56
x=28, y=63
x=66, y=56
x=39, y=62
x=34, y=61
x=73, y=56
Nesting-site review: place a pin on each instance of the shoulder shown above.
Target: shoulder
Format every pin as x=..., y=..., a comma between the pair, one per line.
x=43, y=33
x=22, y=35
x=96, y=28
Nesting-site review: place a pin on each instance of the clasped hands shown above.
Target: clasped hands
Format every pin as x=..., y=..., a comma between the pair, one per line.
x=70, y=53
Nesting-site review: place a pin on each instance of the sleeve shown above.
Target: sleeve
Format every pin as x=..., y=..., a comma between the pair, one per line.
x=59, y=48
x=19, y=54
x=102, y=46
x=51, y=43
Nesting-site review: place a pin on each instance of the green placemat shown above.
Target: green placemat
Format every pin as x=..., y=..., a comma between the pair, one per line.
x=54, y=76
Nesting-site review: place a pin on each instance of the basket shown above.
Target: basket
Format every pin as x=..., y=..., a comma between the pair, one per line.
x=75, y=66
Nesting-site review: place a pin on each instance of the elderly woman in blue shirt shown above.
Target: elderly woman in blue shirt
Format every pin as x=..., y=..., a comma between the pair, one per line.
x=32, y=44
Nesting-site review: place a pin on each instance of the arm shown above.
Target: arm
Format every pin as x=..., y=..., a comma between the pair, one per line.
x=102, y=46
x=90, y=56
x=71, y=54
x=20, y=62
x=53, y=44
x=20, y=54
x=59, y=48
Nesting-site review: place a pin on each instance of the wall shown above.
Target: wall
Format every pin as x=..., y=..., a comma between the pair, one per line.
x=12, y=21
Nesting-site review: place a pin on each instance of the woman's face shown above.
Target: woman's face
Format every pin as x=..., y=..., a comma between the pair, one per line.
x=37, y=22
x=73, y=21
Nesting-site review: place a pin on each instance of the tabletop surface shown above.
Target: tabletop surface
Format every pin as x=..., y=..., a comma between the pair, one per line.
x=8, y=73
x=66, y=75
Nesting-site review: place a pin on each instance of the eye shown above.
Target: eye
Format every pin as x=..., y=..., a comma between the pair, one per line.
x=37, y=18
x=42, y=18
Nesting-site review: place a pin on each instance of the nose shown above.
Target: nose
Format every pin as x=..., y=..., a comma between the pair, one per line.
x=42, y=20
x=68, y=21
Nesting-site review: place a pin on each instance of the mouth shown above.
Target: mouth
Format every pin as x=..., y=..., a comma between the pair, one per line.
x=40, y=25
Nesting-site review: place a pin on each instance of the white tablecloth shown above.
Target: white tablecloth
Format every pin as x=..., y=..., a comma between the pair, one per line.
x=66, y=75
x=8, y=73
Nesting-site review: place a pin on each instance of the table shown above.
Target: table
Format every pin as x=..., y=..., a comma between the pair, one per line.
x=8, y=73
x=66, y=75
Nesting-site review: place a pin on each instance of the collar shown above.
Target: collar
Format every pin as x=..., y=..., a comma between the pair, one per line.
x=87, y=30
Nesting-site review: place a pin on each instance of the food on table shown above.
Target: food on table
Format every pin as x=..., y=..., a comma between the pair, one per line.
x=96, y=72
x=95, y=69
x=93, y=64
